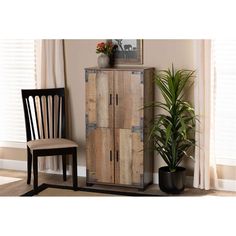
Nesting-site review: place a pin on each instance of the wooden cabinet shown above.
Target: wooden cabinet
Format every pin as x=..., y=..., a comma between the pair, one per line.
x=117, y=151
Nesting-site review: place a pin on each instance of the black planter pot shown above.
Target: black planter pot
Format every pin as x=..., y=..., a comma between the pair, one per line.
x=172, y=182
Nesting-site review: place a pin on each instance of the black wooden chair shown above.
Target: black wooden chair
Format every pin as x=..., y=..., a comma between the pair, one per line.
x=44, y=111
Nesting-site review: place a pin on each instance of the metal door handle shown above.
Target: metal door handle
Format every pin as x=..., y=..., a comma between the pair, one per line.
x=117, y=155
x=117, y=100
x=110, y=155
x=110, y=102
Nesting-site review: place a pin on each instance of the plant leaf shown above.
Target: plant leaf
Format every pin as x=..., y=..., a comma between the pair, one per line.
x=173, y=132
x=168, y=130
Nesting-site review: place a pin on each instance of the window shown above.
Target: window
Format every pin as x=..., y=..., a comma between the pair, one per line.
x=17, y=71
x=224, y=54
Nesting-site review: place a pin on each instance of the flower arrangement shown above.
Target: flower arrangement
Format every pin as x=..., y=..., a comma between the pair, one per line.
x=106, y=48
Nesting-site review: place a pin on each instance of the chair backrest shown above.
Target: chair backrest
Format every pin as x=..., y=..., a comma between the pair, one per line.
x=44, y=111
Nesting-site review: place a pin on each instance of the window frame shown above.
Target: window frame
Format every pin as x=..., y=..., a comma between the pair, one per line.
x=18, y=143
x=227, y=161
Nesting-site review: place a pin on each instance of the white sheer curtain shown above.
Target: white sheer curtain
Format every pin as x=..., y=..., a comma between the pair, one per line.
x=50, y=64
x=50, y=74
x=205, y=175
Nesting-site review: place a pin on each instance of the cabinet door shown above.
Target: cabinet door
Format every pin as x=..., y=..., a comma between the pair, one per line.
x=99, y=126
x=128, y=89
x=99, y=98
x=128, y=99
x=128, y=157
x=100, y=158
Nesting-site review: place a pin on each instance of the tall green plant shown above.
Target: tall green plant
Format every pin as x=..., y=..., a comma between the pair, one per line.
x=173, y=131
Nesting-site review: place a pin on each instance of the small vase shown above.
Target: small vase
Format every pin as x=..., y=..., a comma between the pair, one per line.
x=103, y=60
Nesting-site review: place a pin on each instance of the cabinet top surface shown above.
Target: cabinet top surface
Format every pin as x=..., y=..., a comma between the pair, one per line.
x=121, y=68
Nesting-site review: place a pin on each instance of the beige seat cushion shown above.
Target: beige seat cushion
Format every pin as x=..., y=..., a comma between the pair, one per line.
x=50, y=144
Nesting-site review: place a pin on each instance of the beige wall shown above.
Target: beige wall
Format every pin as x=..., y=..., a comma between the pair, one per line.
x=81, y=54
x=161, y=54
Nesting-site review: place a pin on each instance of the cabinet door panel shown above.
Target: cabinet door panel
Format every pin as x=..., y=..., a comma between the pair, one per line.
x=128, y=99
x=100, y=158
x=129, y=157
x=99, y=98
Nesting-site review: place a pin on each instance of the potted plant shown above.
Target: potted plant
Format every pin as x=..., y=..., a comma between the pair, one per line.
x=172, y=131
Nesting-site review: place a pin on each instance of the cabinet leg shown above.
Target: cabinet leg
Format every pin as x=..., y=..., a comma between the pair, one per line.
x=141, y=189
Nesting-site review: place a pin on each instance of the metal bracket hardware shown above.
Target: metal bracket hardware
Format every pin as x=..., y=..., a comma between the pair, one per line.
x=141, y=78
x=141, y=75
x=141, y=135
x=89, y=126
x=90, y=176
x=141, y=180
x=138, y=129
x=87, y=174
x=141, y=122
x=137, y=72
x=86, y=76
x=87, y=71
x=91, y=70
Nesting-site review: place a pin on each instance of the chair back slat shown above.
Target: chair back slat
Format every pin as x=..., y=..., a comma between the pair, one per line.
x=30, y=116
x=45, y=121
x=58, y=117
x=53, y=135
x=47, y=114
x=63, y=113
x=36, y=117
x=42, y=116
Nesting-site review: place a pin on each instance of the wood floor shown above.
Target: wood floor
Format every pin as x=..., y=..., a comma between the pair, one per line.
x=20, y=187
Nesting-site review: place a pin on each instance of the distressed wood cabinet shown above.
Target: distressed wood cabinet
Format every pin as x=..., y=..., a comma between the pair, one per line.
x=116, y=126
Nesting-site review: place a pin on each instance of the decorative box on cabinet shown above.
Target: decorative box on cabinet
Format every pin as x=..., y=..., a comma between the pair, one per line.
x=117, y=151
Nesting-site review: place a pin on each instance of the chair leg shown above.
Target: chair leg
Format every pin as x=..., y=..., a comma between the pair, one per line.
x=35, y=170
x=64, y=166
x=29, y=165
x=74, y=169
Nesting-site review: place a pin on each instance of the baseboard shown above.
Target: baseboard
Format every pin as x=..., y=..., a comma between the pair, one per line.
x=22, y=166
x=223, y=184
x=226, y=185
x=155, y=178
x=13, y=164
